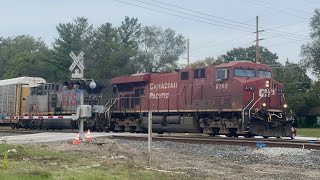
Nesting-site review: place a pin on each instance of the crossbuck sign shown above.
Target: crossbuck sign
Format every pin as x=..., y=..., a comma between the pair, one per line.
x=77, y=61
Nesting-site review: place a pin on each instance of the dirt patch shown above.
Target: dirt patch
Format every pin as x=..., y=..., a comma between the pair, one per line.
x=201, y=161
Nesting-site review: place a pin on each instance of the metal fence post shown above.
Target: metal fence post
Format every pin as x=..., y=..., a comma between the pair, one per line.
x=149, y=136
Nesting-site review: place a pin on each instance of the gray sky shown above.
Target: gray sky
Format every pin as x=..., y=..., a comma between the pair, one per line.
x=223, y=24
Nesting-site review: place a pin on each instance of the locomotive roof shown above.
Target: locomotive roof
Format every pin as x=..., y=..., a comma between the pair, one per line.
x=234, y=64
x=30, y=81
x=242, y=63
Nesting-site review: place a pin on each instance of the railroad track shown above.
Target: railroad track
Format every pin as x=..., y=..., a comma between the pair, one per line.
x=231, y=141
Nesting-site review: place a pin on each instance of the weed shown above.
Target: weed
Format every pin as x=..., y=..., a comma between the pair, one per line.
x=5, y=161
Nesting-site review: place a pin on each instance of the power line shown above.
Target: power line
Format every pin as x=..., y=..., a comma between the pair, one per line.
x=210, y=19
x=280, y=44
x=184, y=17
x=209, y=15
x=198, y=12
x=206, y=22
x=275, y=5
x=274, y=9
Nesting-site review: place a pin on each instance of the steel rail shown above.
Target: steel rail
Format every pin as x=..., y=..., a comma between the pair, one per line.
x=226, y=141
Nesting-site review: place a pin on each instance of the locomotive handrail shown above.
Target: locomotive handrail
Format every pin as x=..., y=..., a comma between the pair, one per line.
x=256, y=103
x=246, y=108
x=109, y=104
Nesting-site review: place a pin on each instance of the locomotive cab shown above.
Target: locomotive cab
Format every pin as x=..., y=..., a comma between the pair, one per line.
x=264, y=108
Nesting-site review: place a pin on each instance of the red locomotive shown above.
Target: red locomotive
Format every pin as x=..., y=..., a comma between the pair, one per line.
x=237, y=98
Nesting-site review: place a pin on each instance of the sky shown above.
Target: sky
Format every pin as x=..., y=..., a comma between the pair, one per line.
x=212, y=26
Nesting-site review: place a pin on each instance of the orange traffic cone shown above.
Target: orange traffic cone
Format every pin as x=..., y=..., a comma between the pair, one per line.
x=76, y=140
x=88, y=136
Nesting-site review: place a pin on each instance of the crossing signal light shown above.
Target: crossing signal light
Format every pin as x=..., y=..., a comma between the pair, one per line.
x=75, y=84
x=80, y=84
x=90, y=85
x=68, y=84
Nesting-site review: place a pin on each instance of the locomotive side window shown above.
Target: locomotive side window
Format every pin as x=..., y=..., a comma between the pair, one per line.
x=221, y=74
x=196, y=73
x=263, y=73
x=184, y=75
x=239, y=72
x=199, y=73
x=137, y=95
x=202, y=73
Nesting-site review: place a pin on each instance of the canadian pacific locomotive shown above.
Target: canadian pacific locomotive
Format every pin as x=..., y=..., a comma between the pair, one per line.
x=237, y=98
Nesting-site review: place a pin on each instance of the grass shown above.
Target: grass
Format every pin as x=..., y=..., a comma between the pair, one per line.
x=34, y=163
x=308, y=132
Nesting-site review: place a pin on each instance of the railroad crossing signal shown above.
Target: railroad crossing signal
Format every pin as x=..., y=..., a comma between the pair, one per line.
x=77, y=61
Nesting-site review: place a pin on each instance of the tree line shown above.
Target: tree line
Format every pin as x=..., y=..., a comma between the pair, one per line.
x=109, y=51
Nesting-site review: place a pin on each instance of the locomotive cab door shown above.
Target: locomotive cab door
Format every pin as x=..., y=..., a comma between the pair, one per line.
x=199, y=88
x=184, y=92
x=221, y=94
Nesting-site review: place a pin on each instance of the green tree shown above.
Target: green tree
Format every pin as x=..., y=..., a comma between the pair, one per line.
x=114, y=49
x=129, y=35
x=249, y=54
x=296, y=83
x=311, y=51
x=25, y=56
x=159, y=49
x=75, y=36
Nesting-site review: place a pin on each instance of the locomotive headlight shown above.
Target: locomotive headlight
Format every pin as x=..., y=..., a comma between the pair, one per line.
x=285, y=105
x=264, y=104
x=267, y=83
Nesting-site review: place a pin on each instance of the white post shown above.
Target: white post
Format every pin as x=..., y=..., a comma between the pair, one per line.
x=149, y=136
x=81, y=120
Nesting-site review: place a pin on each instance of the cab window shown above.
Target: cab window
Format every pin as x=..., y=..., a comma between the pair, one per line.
x=199, y=73
x=184, y=75
x=221, y=74
x=264, y=73
x=239, y=72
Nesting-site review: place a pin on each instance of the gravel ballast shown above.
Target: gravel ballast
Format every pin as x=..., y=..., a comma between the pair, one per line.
x=239, y=161
x=202, y=161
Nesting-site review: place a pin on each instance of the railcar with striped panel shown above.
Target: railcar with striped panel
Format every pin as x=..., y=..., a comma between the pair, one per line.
x=30, y=102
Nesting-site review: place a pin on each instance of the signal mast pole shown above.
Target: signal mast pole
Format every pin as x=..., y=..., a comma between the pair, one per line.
x=79, y=74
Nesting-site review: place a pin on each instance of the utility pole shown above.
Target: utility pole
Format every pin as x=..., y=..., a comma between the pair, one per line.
x=188, y=50
x=257, y=39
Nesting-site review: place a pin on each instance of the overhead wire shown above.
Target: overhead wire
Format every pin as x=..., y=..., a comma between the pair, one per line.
x=242, y=23
x=239, y=27
x=291, y=9
x=274, y=9
x=228, y=25
x=225, y=25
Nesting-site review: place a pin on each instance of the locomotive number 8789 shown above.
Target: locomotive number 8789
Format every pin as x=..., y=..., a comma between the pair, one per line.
x=237, y=98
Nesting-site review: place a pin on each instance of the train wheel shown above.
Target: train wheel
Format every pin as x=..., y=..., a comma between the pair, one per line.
x=265, y=137
x=212, y=134
x=249, y=135
x=13, y=126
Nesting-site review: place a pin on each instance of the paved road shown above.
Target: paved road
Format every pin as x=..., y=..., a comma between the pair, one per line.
x=48, y=137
